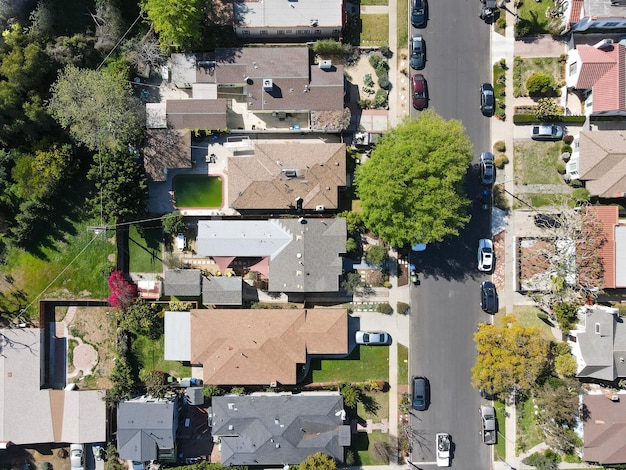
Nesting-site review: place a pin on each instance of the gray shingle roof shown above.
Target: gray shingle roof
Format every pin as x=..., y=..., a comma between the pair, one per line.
x=181, y=282
x=222, y=290
x=279, y=429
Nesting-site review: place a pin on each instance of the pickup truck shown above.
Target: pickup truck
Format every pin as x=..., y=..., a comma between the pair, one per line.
x=442, y=441
x=488, y=418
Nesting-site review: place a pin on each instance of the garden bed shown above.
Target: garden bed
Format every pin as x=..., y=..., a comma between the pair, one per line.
x=523, y=68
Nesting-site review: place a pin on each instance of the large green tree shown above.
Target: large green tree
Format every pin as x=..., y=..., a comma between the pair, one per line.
x=510, y=356
x=411, y=188
x=97, y=107
x=557, y=413
x=318, y=461
x=178, y=22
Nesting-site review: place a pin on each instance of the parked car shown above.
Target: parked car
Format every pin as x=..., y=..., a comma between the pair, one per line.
x=418, y=13
x=421, y=393
x=373, y=338
x=442, y=442
x=487, y=168
x=547, y=221
x=485, y=255
x=77, y=452
x=418, y=52
x=420, y=92
x=180, y=242
x=485, y=199
x=487, y=99
x=488, y=297
x=546, y=132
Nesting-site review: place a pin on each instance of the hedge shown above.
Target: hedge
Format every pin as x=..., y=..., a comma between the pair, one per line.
x=524, y=118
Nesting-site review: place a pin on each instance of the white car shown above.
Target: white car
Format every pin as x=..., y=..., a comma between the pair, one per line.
x=485, y=255
x=180, y=242
x=546, y=132
x=442, y=441
x=76, y=456
x=371, y=338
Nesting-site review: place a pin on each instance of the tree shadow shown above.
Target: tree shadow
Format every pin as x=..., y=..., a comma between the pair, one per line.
x=370, y=405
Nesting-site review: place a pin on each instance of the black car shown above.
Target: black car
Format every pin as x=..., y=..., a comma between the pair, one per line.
x=485, y=199
x=487, y=169
x=418, y=14
x=488, y=297
x=547, y=221
x=420, y=393
x=418, y=52
x=487, y=100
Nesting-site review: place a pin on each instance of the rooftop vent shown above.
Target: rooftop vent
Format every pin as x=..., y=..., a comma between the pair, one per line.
x=615, y=397
x=319, y=208
x=268, y=84
x=313, y=22
x=290, y=173
x=326, y=64
x=604, y=44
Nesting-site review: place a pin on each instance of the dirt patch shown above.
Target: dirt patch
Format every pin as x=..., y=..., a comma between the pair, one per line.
x=22, y=457
x=96, y=327
x=355, y=73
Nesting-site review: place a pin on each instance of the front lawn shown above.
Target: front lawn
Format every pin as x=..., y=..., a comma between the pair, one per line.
x=527, y=316
x=403, y=365
x=537, y=162
x=528, y=434
x=150, y=353
x=362, y=443
x=374, y=30
x=363, y=364
x=533, y=19
x=500, y=447
x=144, y=249
x=525, y=67
x=374, y=406
x=402, y=13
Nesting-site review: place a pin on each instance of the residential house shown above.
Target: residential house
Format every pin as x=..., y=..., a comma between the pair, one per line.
x=222, y=290
x=585, y=15
x=598, y=73
x=282, y=177
x=604, y=424
x=277, y=85
x=297, y=255
x=599, y=160
x=165, y=150
x=600, y=343
x=182, y=282
x=32, y=411
x=292, y=21
x=613, y=250
x=254, y=347
x=146, y=428
x=279, y=429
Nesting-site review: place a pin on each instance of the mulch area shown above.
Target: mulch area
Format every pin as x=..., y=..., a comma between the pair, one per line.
x=499, y=271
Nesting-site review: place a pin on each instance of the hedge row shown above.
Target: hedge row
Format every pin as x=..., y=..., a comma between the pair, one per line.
x=524, y=118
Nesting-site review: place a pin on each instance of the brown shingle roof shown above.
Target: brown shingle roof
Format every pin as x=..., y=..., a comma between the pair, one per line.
x=253, y=347
x=602, y=162
x=165, y=148
x=259, y=181
x=604, y=430
x=196, y=114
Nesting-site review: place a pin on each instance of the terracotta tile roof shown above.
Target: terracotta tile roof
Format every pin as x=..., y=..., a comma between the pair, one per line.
x=255, y=347
x=604, y=429
x=604, y=71
x=576, y=11
x=609, y=217
x=602, y=162
x=196, y=114
x=165, y=148
x=259, y=182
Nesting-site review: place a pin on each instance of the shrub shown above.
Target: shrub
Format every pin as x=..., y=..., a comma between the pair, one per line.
x=522, y=28
x=386, y=52
x=237, y=391
x=568, y=139
x=501, y=23
x=581, y=195
x=499, y=197
x=543, y=317
x=383, y=82
x=376, y=255
x=382, y=69
x=547, y=109
x=402, y=308
x=328, y=48
x=367, y=80
x=501, y=160
x=561, y=168
x=502, y=62
x=539, y=83
x=380, y=100
x=351, y=245
x=384, y=308
x=499, y=146
x=565, y=365
x=565, y=148
x=350, y=458
x=123, y=293
x=365, y=103
x=376, y=59
x=576, y=183
x=500, y=114
x=566, y=315
x=351, y=394
x=211, y=391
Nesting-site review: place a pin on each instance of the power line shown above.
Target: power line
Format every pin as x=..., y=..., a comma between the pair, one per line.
x=118, y=42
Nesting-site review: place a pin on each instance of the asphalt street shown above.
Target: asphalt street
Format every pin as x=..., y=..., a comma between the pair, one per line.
x=446, y=302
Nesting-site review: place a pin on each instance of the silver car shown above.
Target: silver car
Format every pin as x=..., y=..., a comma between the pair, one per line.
x=375, y=338
x=546, y=132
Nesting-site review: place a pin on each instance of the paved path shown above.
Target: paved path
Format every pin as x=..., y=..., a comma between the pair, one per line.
x=542, y=188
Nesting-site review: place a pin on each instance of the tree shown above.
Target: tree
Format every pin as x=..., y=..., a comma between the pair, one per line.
x=121, y=184
x=123, y=293
x=557, y=413
x=97, y=108
x=318, y=461
x=122, y=378
x=154, y=381
x=351, y=394
x=140, y=318
x=351, y=282
x=376, y=255
x=173, y=223
x=328, y=49
x=411, y=189
x=539, y=83
x=509, y=356
x=178, y=22
x=566, y=315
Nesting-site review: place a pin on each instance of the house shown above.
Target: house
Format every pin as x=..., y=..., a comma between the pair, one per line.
x=279, y=429
x=146, y=428
x=604, y=424
x=279, y=86
x=165, y=150
x=34, y=413
x=293, y=21
x=600, y=344
x=252, y=346
x=182, y=282
x=584, y=15
x=599, y=73
x=297, y=255
x=222, y=290
x=613, y=250
x=277, y=175
x=599, y=159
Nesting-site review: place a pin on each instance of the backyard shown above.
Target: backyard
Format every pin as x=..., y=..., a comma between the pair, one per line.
x=150, y=353
x=144, y=248
x=363, y=364
x=374, y=30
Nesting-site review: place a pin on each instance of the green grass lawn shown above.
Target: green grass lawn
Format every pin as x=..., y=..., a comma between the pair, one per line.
x=402, y=14
x=144, y=249
x=403, y=365
x=525, y=67
x=527, y=316
x=372, y=2
x=374, y=30
x=363, y=364
x=375, y=406
x=198, y=191
x=150, y=353
x=534, y=13
x=500, y=447
x=528, y=434
x=537, y=200
x=536, y=162
x=363, y=441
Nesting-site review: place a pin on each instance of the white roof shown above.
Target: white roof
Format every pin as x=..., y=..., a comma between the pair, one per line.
x=620, y=256
x=177, y=336
x=273, y=13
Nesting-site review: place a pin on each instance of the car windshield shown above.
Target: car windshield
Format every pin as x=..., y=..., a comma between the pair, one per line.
x=366, y=337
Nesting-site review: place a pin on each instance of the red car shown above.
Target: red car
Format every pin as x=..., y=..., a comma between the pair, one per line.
x=420, y=92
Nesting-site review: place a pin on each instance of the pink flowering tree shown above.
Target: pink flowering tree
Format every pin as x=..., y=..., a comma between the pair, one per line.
x=123, y=292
